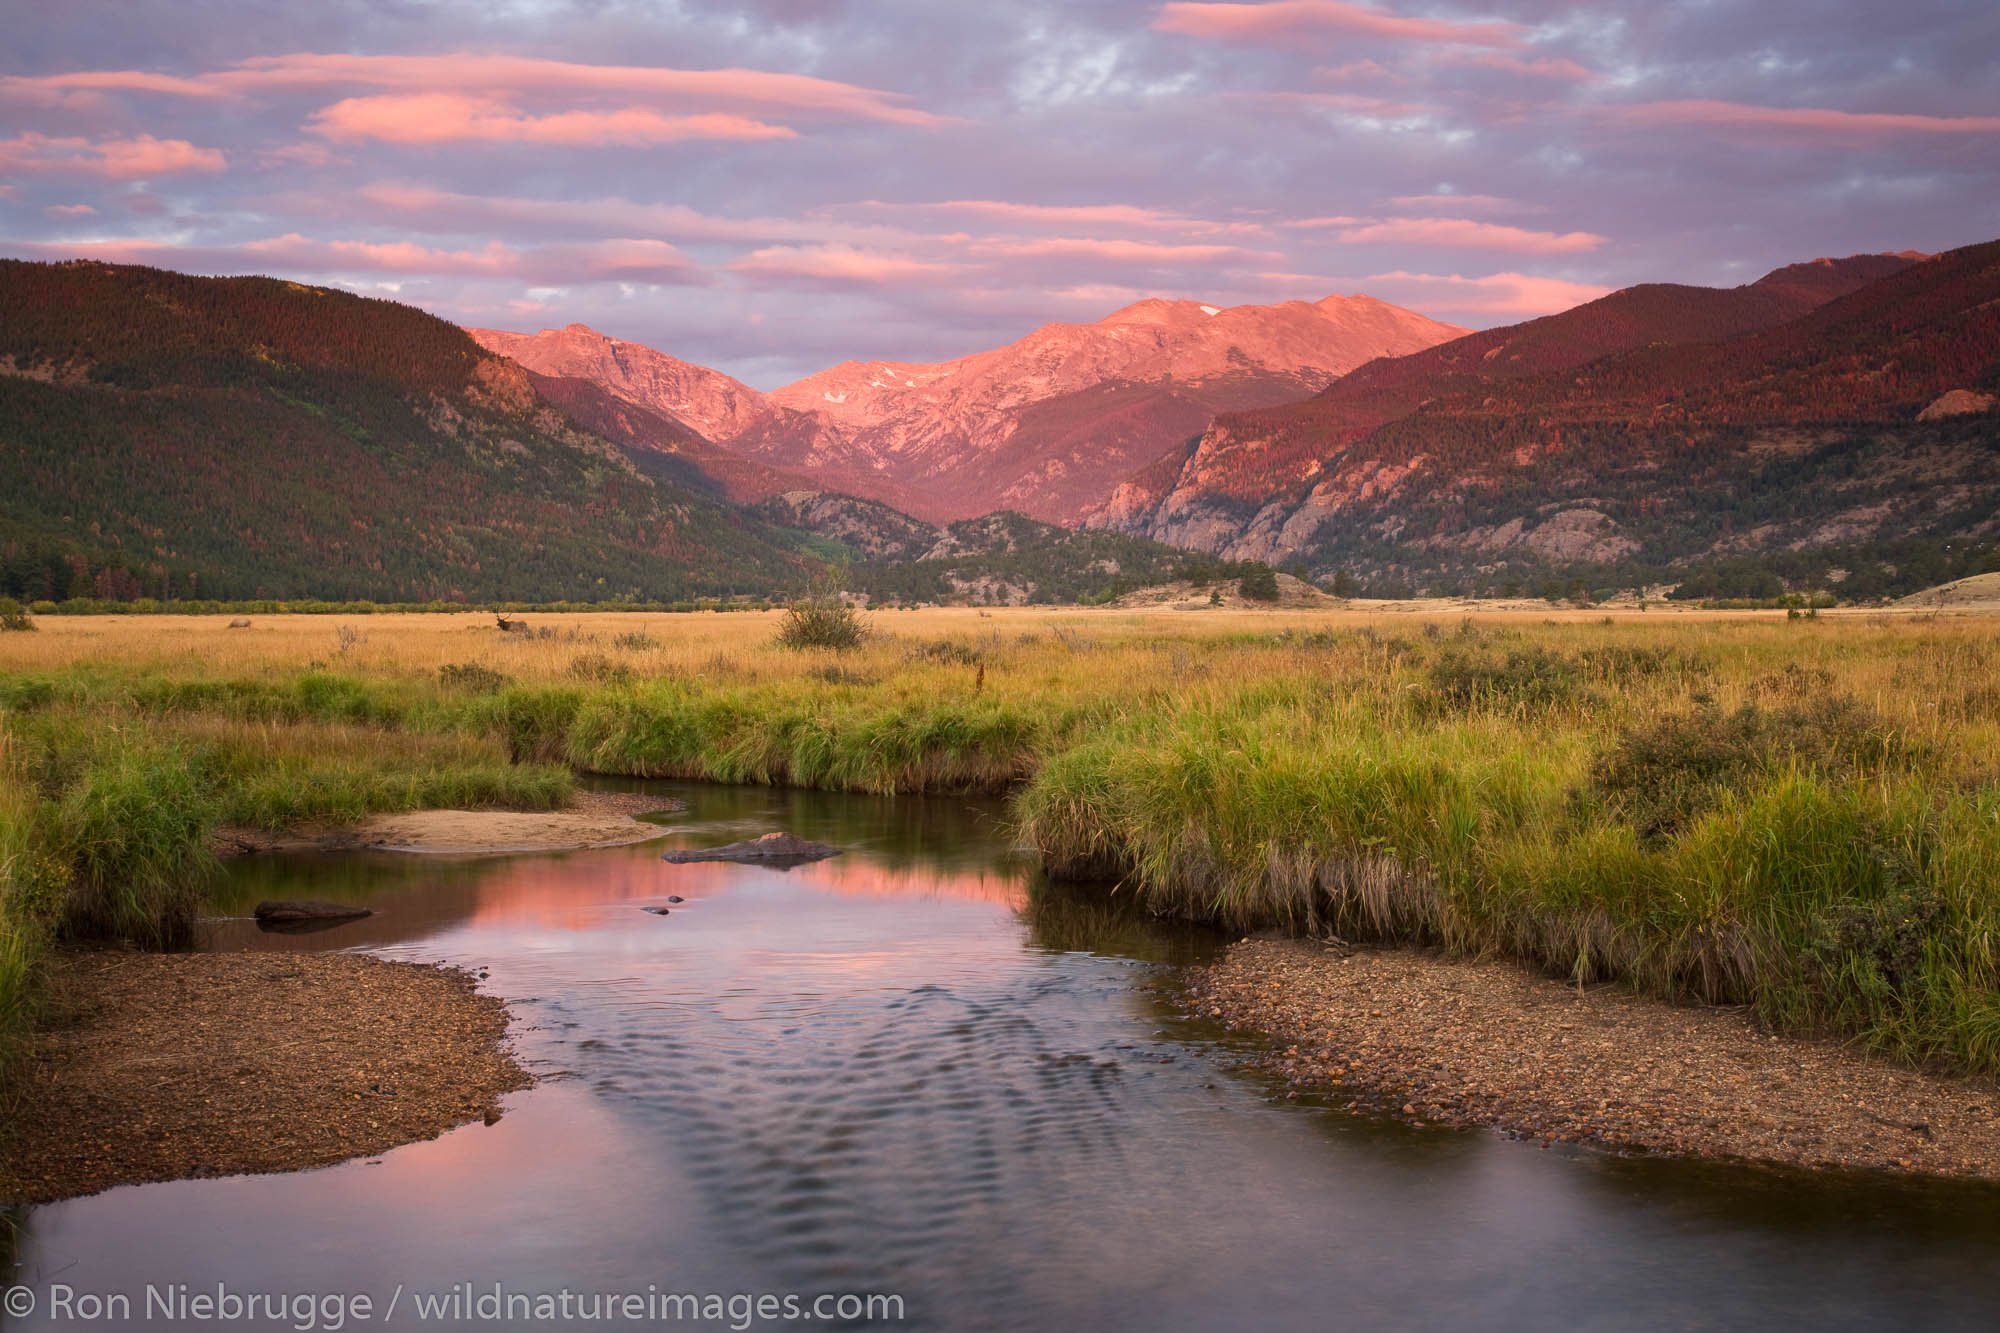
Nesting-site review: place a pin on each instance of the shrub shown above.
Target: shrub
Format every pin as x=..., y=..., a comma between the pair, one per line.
x=600, y=669
x=13, y=615
x=822, y=619
x=1525, y=678
x=948, y=652
x=1662, y=774
x=636, y=641
x=472, y=678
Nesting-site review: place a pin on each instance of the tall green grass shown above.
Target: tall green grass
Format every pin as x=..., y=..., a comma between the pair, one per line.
x=117, y=802
x=1815, y=862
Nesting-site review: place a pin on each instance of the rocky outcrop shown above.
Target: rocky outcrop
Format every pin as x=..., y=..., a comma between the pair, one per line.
x=706, y=400
x=1957, y=403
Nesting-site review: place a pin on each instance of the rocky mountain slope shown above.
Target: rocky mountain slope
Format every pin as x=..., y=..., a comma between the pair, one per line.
x=1782, y=414
x=707, y=401
x=1048, y=425
x=1002, y=558
x=166, y=435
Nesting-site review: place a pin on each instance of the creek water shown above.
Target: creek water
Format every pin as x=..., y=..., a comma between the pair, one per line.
x=908, y=1071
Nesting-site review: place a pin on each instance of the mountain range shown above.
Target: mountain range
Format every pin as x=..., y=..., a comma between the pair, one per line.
x=1834, y=420
x=1658, y=425
x=1048, y=425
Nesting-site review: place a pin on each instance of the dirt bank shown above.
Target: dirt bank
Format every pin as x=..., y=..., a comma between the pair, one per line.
x=164, y=1066
x=593, y=819
x=1494, y=1044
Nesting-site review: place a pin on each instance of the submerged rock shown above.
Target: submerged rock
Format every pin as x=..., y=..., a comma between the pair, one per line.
x=780, y=850
x=278, y=911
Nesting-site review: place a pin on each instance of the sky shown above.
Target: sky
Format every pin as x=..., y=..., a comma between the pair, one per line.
x=773, y=186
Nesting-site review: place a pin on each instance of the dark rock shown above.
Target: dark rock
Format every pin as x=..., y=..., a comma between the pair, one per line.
x=675, y=898
x=658, y=911
x=277, y=912
x=779, y=850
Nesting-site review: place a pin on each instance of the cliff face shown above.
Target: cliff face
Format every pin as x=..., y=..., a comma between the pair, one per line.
x=705, y=400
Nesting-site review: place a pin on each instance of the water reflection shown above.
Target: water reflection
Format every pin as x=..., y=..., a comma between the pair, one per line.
x=914, y=1069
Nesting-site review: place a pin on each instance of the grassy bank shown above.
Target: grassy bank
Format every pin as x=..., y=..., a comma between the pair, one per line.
x=1797, y=814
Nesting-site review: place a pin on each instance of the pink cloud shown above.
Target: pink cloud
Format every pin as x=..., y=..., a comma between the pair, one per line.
x=1358, y=69
x=842, y=264
x=1286, y=20
x=1464, y=233
x=113, y=159
x=1114, y=215
x=1336, y=221
x=1817, y=120
x=297, y=155
x=425, y=205
x=1461, y=203
x=1495, y=294
x=1107, y=251
x=466, y=72
x=1356, y=103
x=84, y=89
x=70, y=211
x=1544, y=67
x=524, y=75
x=622, y=260
x=432, y=118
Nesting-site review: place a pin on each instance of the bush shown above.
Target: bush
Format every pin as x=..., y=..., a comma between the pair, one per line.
x=600, y=669
x=822, y=619
x=1663, y=774
x=947, y=652
x=13, y=615
x=1526, y=678
x=637, y=641
x=472, y=678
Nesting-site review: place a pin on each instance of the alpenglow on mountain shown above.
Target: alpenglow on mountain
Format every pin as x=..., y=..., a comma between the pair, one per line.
x=1048, y=425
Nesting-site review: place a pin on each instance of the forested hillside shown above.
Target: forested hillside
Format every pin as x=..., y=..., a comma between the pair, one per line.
x=166, y=435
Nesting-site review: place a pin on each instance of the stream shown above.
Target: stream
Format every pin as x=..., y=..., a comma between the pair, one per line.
x=911, y=1071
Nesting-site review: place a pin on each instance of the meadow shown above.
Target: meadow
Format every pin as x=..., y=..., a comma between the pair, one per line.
x=1800, y=814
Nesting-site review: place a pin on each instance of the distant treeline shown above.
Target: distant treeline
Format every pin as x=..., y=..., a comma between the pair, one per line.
x=149, y=606
x=1854, y=573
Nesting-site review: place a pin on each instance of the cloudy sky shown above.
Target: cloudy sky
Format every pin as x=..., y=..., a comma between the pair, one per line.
x=770, y=186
